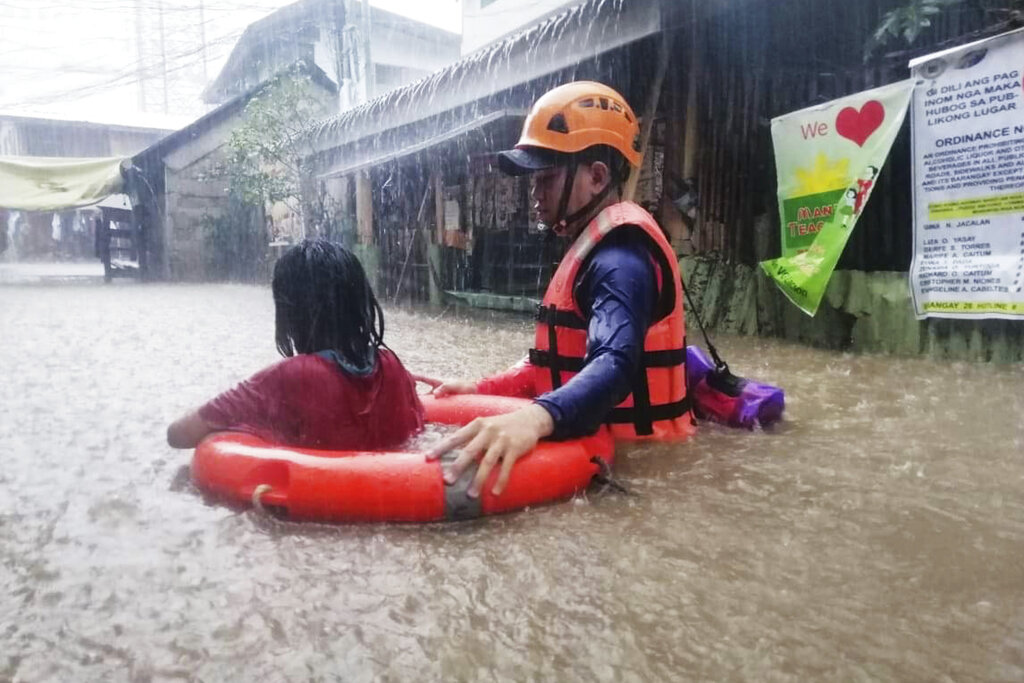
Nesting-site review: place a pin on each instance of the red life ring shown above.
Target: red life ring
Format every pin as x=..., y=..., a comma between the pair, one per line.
x=373, y=486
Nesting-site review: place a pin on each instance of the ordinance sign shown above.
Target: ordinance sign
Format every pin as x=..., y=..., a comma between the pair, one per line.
x=968, y=150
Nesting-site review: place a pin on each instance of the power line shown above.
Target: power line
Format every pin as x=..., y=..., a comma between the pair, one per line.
x=126, y=6
x=37, y=45
x=140, y=71
x=134, y=66
x=146, y=69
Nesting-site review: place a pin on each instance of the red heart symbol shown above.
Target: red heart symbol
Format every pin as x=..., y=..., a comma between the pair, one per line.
x=859, y=125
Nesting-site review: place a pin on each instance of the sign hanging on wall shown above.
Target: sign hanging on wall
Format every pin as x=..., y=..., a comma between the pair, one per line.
x=968, y=147
x=828, y=158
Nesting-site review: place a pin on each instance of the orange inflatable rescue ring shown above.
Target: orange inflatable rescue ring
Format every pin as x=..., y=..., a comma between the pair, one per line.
x=374, y=486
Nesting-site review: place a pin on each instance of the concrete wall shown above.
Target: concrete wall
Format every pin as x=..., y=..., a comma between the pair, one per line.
x=404, y=43
x=189, y=199
x=9, y=142
x=190, y=195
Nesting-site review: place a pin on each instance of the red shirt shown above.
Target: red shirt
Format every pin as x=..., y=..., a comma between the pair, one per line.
x=309, y=401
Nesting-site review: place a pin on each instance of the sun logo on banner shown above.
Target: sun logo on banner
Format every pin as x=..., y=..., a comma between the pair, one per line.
x=823, y=176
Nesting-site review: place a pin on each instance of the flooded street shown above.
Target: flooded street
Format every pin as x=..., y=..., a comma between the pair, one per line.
x=875, y=535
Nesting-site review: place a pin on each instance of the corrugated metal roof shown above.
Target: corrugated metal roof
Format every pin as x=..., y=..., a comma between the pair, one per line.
x=578, y=34
x=355, y=162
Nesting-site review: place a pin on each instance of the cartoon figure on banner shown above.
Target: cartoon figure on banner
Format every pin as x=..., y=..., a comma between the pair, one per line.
x=848, y=207
x=863, y=188
x=855, y=197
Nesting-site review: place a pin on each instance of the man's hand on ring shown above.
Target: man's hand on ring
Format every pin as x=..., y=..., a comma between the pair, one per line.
x=498, y=439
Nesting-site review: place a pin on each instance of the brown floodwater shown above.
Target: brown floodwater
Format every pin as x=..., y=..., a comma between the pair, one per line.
x=877, y=534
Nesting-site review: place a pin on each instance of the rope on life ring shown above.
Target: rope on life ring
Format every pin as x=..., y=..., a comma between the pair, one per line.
x=604, y=477
x=257, y=495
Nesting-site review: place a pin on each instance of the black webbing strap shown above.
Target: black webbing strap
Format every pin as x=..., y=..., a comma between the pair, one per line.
x=545, y=359
x=664, y=359
x=642, y=420
x=556, y=374
x=642, y=414
x=551, y=315
x=664, y=411
x=649, y=359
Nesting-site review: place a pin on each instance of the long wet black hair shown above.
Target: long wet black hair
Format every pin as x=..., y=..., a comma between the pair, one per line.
x=323, y=302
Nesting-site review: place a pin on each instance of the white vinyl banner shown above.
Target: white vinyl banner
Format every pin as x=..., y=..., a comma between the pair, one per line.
x=968, y=149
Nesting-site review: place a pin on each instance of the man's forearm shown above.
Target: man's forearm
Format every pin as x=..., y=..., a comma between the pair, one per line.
x=583, y=403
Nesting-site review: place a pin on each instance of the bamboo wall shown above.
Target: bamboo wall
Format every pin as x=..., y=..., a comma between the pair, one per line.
x=752, y=60
x=758, y=60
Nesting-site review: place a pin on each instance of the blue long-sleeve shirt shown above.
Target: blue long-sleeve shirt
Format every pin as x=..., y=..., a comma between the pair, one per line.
x=616, y=291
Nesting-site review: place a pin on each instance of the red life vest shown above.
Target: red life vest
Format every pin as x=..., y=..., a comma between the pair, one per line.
x=657, y=407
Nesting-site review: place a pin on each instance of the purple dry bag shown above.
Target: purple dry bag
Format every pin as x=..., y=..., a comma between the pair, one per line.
x=721, y=396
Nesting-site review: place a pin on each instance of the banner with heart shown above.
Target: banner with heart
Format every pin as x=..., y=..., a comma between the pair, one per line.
x=828, y=158
x=858, y=125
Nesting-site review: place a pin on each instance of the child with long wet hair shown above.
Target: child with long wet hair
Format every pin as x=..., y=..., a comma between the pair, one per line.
x=323, y=302
x=339, y=386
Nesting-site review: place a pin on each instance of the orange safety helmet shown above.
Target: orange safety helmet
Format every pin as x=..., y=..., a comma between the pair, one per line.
x=569, y=119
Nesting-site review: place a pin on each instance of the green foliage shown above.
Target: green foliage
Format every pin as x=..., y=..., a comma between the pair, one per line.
x=265, y=153
x=235, y=244
x=263, y=164
x=907, y=21
x=911, y=19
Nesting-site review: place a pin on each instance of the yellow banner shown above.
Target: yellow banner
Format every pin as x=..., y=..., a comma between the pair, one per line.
x=57, y=183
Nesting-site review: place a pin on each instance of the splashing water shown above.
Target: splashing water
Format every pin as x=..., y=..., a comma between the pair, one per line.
x=875, y=534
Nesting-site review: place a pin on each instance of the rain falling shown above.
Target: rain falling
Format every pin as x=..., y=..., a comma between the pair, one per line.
x=631, y=340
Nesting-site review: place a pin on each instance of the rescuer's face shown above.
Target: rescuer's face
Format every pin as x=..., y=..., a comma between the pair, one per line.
x=546, y=189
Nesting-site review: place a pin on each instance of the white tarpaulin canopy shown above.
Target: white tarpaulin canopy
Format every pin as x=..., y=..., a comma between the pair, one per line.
x=57, y=183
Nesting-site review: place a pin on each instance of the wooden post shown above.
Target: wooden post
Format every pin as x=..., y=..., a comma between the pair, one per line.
x=436, y=240
x=364, y=208
x=510, y=231
x=340, y=190
x=140, y=242
x=690, y=140
x=417, y=226
x=650, y=110
x=103, y=238
x=438, y=205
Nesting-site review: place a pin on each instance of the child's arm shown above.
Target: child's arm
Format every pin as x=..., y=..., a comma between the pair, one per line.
x=252, y=406
x=188, y=430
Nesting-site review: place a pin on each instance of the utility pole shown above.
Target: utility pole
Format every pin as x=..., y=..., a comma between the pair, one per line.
x=140, y=54
x=202, y=38
x=163, y=51
x=368, y=72
x=690, y=136
x=339, y=17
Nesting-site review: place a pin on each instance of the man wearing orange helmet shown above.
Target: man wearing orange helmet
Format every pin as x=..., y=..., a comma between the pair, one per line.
x=609, y=345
